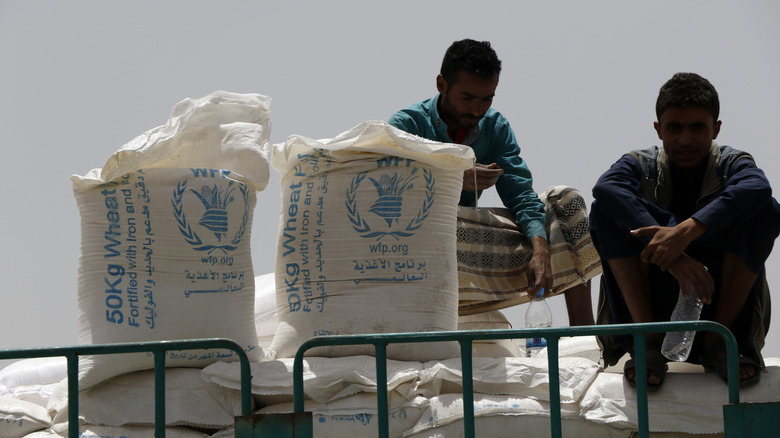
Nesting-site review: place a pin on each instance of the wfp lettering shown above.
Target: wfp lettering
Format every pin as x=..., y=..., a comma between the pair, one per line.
x=394, y=162
x=210, y=173
x=381, y=248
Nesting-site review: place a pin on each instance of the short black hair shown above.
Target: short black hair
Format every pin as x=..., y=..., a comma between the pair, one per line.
x=688, y=89
x=475, y=57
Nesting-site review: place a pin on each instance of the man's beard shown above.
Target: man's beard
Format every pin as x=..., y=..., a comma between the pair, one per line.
x=463, y=121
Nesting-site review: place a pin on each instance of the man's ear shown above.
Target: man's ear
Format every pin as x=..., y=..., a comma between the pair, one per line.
x=657, y=127
x=716, y=129
x=441, y=84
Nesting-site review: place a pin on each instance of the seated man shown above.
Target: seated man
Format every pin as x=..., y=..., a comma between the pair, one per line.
x=461, y=113
x=691, y=218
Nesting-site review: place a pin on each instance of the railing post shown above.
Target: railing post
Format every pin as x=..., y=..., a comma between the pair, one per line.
x=159, y=393
x=383, y=410
x=73, y=395
x=556, y=430
x=640, y=376
x=298, y=381
x=467, y=375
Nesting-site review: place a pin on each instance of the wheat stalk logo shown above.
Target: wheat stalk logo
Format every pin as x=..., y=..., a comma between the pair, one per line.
x=389, y=190
x=388, y=206
x=216, y=201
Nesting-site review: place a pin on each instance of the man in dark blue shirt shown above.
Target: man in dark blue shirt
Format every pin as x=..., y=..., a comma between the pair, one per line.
x=691, y=217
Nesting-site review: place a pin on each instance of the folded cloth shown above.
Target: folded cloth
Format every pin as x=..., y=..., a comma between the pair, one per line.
x=493, y=254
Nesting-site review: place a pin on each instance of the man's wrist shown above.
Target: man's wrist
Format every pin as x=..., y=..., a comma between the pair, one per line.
x=540, y=246
x=692, y=228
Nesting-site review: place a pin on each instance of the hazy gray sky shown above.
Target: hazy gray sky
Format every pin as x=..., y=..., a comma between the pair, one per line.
x=81, y=78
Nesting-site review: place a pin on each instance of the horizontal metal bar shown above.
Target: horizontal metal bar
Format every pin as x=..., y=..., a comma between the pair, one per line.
x=457, y=335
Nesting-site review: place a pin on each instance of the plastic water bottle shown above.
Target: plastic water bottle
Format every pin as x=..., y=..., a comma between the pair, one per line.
x=538, y=314
x=677, y=345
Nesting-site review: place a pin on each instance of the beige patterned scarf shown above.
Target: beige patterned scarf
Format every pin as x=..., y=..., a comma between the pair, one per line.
x=493, y=255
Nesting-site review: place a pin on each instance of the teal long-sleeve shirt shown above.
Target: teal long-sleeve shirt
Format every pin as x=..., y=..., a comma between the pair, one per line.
x=493, y=141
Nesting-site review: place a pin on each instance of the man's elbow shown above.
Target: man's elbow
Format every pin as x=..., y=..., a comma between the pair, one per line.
x=602, y=191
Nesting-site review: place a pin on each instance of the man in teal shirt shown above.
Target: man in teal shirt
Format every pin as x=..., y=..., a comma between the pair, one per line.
x=461, y=113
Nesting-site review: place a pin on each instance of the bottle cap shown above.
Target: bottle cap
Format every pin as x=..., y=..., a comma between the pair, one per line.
x=540, y=294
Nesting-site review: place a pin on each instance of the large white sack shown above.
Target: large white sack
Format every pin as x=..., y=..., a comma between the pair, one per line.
x=500, y=416
x=357, y=415
x=515, y=376
x=165, y=228
x=19, y=418
x=129, y=400
x=367, y=239
x=33, y=379
x=324, y=379
x=687, y=402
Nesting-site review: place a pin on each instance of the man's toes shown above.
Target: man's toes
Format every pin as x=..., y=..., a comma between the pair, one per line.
x=746, y=372
x=653, y=378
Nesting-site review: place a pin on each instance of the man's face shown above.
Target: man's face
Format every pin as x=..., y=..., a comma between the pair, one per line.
x=465, y=101
x=687, y=133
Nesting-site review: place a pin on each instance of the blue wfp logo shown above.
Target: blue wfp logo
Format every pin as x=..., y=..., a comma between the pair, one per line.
x=213, y=230
x=389, y=203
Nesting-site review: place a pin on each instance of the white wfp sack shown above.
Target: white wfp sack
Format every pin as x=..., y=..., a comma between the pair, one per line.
x=19, y=418
x=357, y=415
x=367, y=239
x=165, y=229
x=505, y=416
x=129, y=400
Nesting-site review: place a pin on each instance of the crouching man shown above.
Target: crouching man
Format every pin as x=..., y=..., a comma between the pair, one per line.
x=692, y=217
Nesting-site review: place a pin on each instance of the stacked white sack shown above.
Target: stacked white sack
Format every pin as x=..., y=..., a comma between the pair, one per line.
x=128, y=400
x=34, y=379
x=166, y=226
x=18, y=418
x=367, y=239
x=423, y=397
x=25, y=389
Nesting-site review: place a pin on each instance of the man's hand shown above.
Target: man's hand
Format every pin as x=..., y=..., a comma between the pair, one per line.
x=486, y=177
x=539, y=272
x=668, y=243
x=693, y=276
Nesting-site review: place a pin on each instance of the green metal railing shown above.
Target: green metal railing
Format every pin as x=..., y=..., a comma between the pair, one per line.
x=553, y=334
x=158, y=348
x=246, y=426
